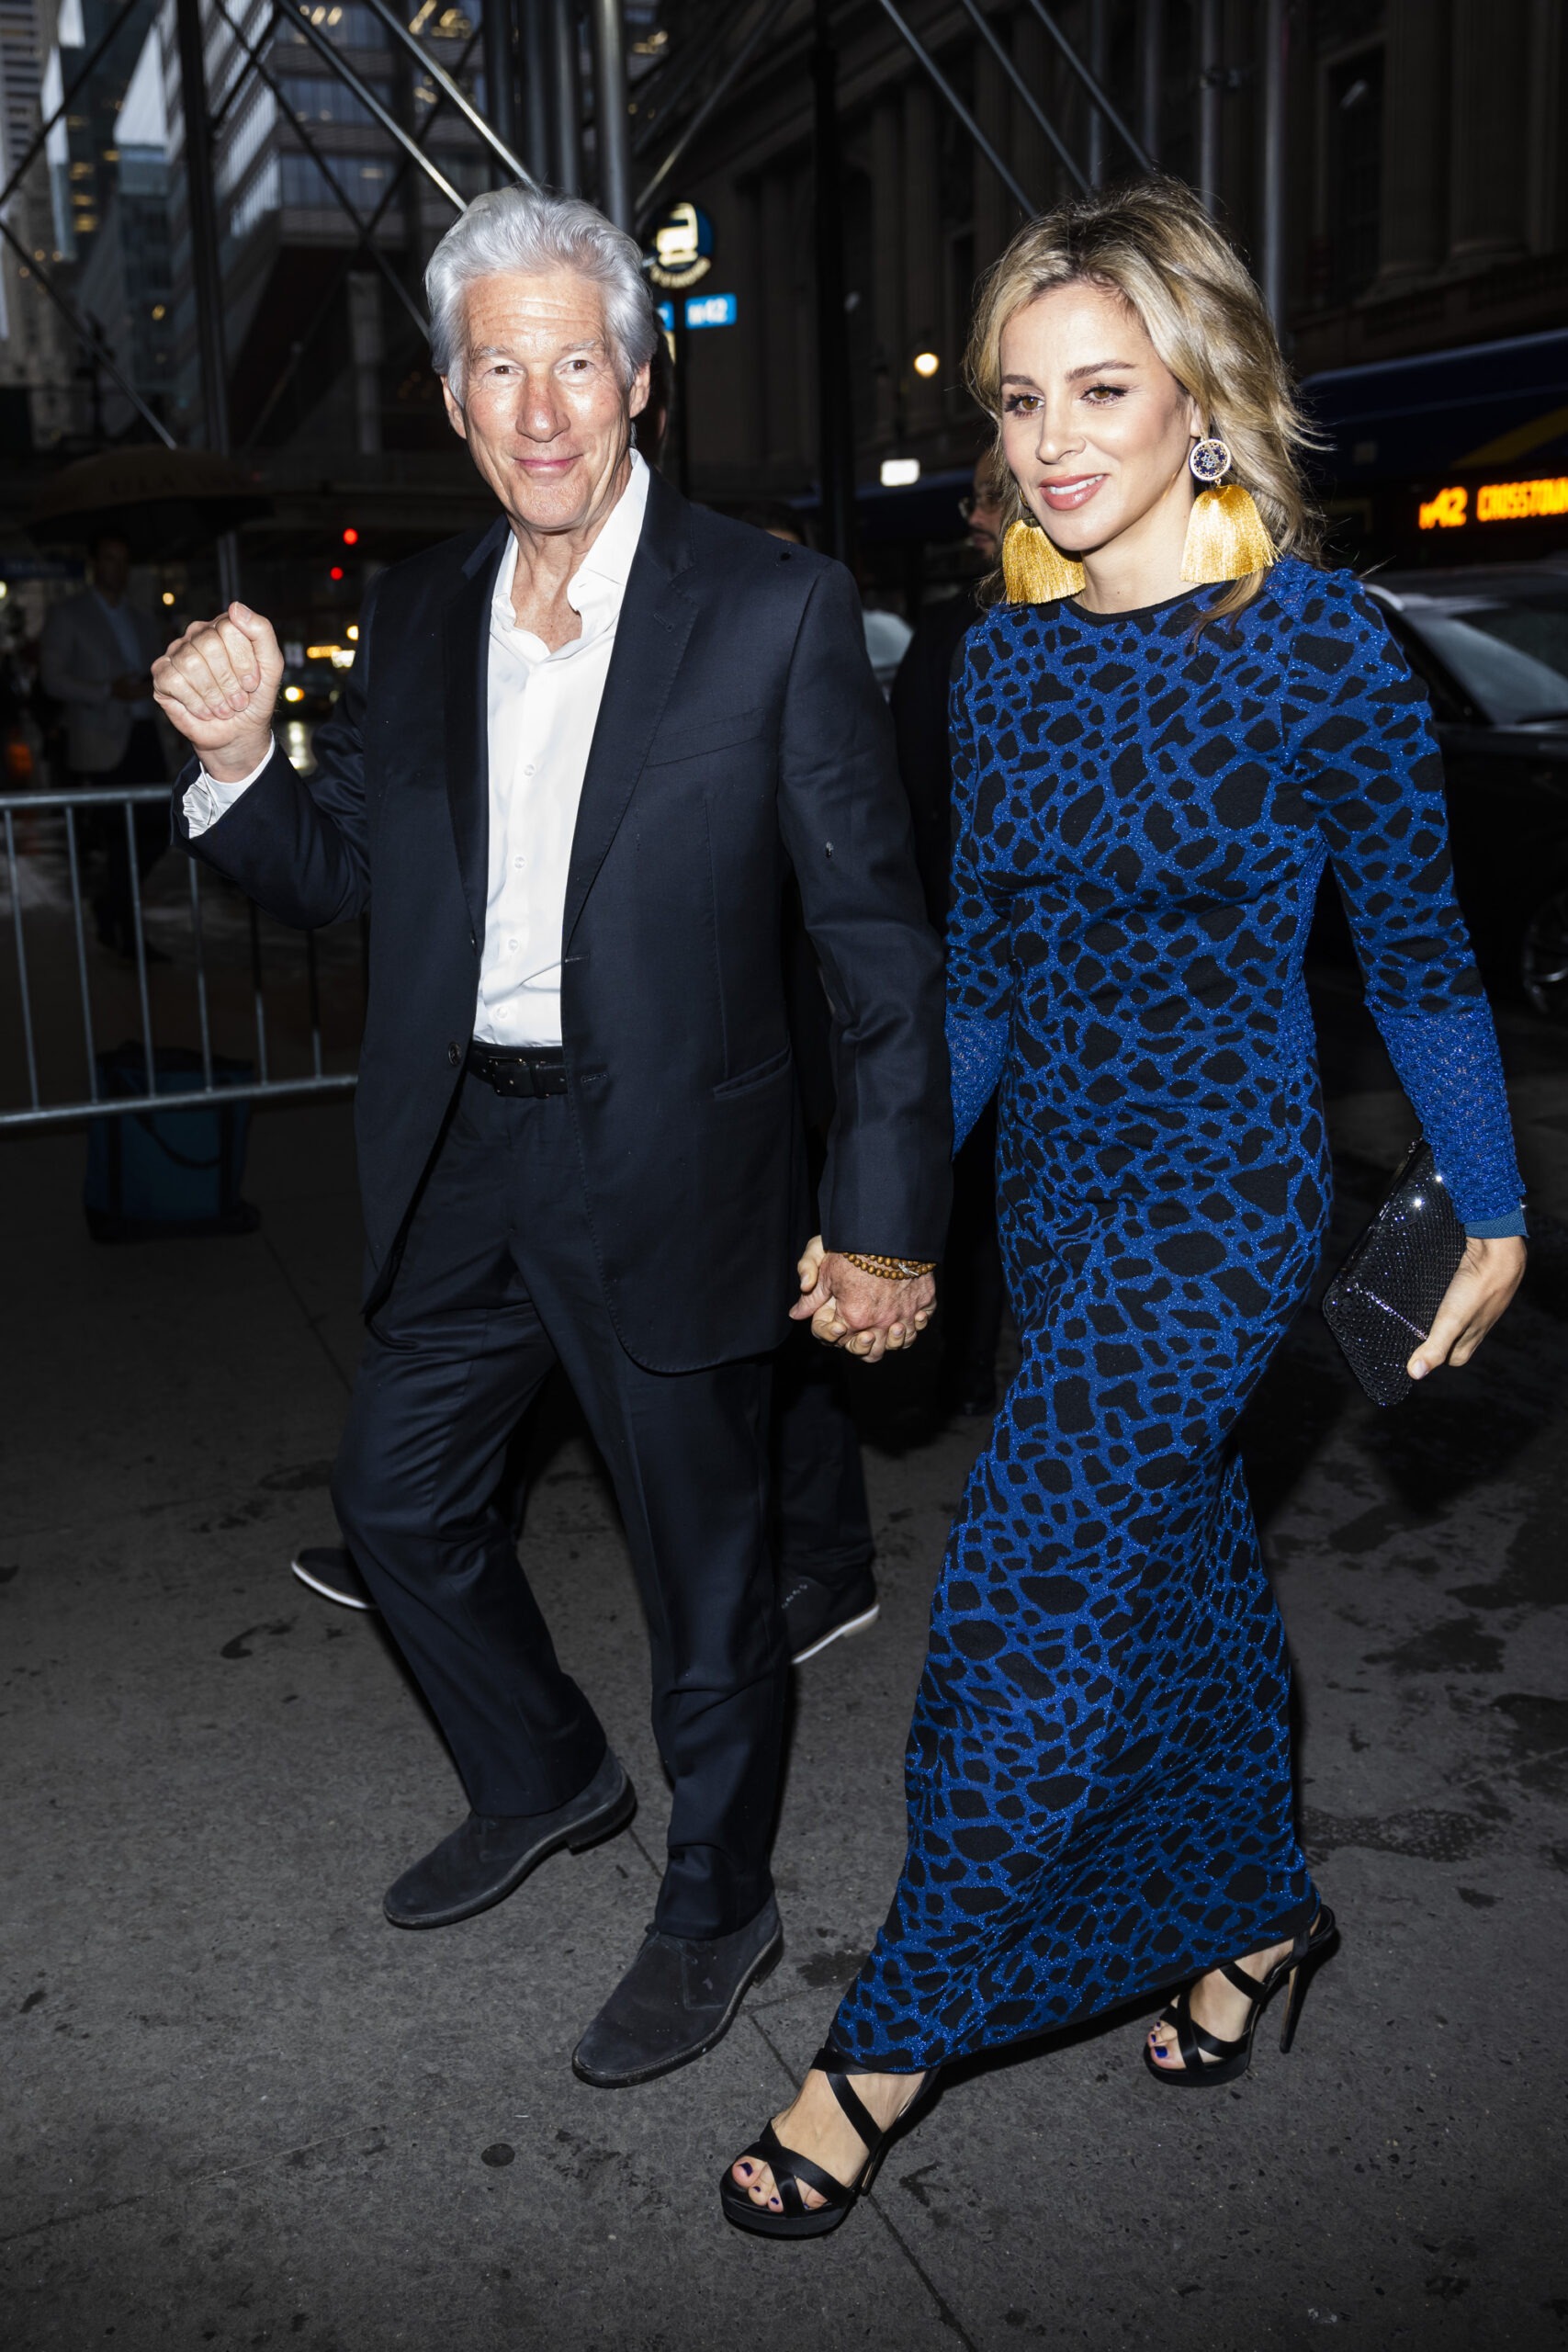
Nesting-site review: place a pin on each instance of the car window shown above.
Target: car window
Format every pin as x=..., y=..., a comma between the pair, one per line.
x=1511, y=659
x=1448, y=703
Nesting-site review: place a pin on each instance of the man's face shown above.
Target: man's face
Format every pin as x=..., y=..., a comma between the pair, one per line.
x=111, y=566
x=985, y=518
x=544, y=411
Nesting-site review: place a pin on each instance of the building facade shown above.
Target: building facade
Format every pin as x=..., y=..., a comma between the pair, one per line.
x=1426, y=194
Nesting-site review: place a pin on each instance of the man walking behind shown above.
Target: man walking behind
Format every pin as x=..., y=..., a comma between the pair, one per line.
x=579, y=753
x=95, y=659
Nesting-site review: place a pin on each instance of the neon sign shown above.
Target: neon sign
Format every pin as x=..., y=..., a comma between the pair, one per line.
x=1495, y=502
x=1444, y=513
x=1515, y=502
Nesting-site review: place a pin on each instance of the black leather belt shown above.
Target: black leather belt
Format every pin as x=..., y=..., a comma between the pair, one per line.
x=519, y=1070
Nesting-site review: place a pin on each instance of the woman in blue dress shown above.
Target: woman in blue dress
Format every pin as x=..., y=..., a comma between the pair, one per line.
x=1161, y=736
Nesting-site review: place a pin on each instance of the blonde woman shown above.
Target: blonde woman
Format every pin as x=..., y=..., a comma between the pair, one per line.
x=1161, y=735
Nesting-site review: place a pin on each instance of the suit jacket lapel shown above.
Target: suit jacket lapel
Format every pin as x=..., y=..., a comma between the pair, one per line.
x=466, y=660
x=655, y=621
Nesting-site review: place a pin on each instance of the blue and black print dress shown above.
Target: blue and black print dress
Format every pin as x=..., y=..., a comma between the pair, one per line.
x=1099, y=1772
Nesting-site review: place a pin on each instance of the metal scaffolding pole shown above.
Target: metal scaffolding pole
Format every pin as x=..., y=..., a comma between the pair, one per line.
x=610, y=119
x=501, y=80
x=1151, y=73
x=207, y=275
x=835, y=426
x=534, y=53
x=448, y=88
x=366, y=242
x=715, y=98
x=390, y=195
x=373, y=107
x=565, y=104
x=1211, y=82
x=1099, y=51
x=924, y=57
x=1276, y=58
x=1065, y=156
x=1092, y=84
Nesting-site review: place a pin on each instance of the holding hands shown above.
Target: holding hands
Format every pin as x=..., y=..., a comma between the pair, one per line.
x=217, y=684
x=864, y=1314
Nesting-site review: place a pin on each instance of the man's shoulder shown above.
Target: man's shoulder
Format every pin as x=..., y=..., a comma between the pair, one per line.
x=440, y=569
x=746, y=551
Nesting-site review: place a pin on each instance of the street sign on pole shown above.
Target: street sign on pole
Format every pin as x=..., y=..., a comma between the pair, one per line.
x=701, y=311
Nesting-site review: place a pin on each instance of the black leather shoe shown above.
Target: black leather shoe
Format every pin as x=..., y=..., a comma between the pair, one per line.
x=678, y=1998
x=815, y=1613
x=491, y=1854
x=329, y=1569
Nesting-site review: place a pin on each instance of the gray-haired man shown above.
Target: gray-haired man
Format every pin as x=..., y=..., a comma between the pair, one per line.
x=580, y=751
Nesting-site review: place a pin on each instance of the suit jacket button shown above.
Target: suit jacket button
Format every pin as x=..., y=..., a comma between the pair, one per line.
x=453, y=1055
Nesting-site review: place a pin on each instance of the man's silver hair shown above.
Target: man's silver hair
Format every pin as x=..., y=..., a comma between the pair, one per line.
x=528, y=229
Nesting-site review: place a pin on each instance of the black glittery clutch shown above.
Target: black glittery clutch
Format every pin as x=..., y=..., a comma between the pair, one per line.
x=1381, y=1302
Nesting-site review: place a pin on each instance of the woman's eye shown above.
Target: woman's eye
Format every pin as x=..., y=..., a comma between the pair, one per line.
x=1100, y=393
x=1020, y=404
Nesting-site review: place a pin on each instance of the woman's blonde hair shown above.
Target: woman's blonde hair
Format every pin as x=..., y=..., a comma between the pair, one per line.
x=1152, y=242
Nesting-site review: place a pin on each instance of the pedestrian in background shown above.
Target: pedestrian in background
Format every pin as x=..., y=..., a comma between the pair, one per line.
x=1165, y=732
x=96, y=661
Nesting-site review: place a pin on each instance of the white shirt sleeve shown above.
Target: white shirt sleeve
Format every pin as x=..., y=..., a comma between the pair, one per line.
x=206, y=799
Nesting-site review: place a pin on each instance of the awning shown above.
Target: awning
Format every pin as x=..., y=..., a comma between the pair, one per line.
x=1488, y=405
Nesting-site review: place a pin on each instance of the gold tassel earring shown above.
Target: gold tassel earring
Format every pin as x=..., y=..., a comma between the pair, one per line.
x=1034, y=572
x=1226, y=536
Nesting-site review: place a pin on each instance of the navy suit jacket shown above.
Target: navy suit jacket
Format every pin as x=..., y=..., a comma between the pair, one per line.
x=740, y=735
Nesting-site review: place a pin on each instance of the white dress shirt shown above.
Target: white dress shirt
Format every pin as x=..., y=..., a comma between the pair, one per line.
x=543, y=708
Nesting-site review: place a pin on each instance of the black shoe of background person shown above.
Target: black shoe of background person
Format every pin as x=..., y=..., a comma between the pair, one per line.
x=816, y=1612
x=329, y=1569
x=679, y=1997
x=490, y=1855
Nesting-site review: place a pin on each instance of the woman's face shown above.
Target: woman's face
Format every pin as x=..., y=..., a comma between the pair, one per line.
x=1095, y=427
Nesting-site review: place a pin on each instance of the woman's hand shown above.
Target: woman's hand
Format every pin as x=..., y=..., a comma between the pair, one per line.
x=1488, y=1277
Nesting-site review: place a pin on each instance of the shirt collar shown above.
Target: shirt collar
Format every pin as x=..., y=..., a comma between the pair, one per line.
x=597, y=586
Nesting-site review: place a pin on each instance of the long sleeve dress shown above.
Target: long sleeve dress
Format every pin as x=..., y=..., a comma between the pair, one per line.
x=1099, y=1772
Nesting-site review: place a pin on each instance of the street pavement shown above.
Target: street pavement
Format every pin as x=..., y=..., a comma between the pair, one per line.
x=242, y=2110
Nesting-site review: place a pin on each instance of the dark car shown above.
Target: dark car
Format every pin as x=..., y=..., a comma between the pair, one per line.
x=1491, y=645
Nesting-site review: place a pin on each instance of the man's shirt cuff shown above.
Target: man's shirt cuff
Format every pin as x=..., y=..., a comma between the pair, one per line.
x=206, y=799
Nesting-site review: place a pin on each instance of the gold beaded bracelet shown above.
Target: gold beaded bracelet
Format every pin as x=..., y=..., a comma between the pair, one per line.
x=891, y=1270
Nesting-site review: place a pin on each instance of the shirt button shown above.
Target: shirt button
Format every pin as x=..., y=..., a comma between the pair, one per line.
x=511, y=947
x=529, y=769
x=518, y=862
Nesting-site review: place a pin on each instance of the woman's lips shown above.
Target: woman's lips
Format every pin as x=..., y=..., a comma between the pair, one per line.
x=1061, y=497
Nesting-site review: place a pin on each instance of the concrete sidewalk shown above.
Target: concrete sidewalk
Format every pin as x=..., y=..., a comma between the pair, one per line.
x=241, y=2111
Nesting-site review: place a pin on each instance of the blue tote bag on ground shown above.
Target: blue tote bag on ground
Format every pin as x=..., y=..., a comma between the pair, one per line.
x=154, y=1174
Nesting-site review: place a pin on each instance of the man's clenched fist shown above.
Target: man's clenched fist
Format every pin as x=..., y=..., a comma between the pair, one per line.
x=217, y=684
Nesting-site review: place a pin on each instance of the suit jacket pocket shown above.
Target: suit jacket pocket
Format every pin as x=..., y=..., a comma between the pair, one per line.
x=692, y=739
x=758, y=1075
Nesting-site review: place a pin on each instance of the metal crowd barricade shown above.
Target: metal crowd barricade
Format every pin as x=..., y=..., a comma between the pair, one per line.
x=17, y=812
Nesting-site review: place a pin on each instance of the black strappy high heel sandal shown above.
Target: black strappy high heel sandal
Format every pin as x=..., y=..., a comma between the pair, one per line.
x=791, y=2172
x=1205, y=2059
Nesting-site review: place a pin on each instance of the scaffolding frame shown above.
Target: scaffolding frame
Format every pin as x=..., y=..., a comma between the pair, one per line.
x=530, y=47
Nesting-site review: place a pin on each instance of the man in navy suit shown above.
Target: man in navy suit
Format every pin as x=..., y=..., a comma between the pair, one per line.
x=580, y=754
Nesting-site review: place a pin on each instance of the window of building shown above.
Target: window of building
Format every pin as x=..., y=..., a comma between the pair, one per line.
x=363, y=179
x=1353, y=155
x=325, y=99
x=348, y=24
